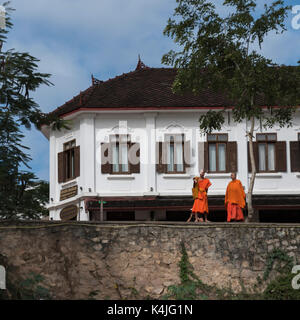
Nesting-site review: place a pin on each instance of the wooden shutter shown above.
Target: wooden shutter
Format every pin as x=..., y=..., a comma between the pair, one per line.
x=165, y=145
x=187, y=154
x=205, y=157
x=255, y=151
x=134, y=157
x=295, y=156
x=280, y=153
x=160, y=165
x=106, y=158
x=61, y=167
x=231, y=156
x=77, y=161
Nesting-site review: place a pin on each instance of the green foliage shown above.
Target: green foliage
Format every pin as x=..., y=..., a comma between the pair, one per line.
x=285, y=266
x=186, y=291
x=21, y=194
x=185, y=267
x=217, y=54
x=92, y=294
x=191, y=287
x=281, y=288
x=28, y=289
x=211, y=121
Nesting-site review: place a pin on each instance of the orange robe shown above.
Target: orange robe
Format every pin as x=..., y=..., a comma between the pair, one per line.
x=200, y=203
x=235, y=200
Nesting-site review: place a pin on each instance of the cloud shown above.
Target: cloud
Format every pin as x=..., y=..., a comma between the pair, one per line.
x=39, y=152
x=282, y=49
x=74, y=38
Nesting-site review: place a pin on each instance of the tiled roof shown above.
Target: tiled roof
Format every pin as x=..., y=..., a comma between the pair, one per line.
x=142, y=88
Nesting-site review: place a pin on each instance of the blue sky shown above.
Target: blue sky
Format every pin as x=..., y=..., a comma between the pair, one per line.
x=75, y=38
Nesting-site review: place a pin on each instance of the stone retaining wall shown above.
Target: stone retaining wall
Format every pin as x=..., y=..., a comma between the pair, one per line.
x=130, y=260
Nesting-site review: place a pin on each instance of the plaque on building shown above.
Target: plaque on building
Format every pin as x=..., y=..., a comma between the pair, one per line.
x=69, y=212
x=68, y=193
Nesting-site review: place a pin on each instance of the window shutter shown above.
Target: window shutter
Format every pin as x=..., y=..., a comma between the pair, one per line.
x=61, y=167
x=205, y=157
x=134, y=157
x=187, y=154
x=255, y=151
x=231, y=156
x=77, y=161
x=160, y=168
x=106, y=158
x=280, y=153
x=165, y=146
x=295, y=156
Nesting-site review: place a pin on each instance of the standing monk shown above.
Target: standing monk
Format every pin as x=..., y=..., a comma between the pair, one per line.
x=200, y=204
x=235, y=199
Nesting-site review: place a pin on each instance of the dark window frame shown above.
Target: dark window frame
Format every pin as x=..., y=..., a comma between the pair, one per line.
x=216, y=143
x=69, y=156
x=266, y=142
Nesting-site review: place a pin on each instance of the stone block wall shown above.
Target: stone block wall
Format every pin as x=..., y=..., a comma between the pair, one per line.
x=118, y=260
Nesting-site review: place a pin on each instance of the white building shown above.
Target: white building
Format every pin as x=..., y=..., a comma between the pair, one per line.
x=136, y=121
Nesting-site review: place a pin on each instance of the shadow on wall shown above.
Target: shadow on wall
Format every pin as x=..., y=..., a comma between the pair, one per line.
x=214, y=216
x=284, y=216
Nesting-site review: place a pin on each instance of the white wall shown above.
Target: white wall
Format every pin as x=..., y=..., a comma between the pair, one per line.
x=90, y=130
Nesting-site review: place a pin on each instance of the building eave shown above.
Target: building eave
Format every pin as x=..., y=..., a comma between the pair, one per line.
x=45, y=131
x=101, y=110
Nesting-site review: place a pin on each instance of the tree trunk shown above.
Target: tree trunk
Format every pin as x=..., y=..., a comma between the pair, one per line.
x=252, y=214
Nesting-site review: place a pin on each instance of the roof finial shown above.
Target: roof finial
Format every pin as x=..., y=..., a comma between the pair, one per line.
x=95, y=81
x=140, y=64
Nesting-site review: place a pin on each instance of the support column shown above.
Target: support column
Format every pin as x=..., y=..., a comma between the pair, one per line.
x=151, y=185
x=53, y=175
x=87, y=153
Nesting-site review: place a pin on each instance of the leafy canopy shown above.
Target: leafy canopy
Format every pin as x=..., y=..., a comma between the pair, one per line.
x=217, y=53
x=21, y=195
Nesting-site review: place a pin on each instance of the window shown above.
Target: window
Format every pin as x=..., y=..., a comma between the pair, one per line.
x=175, y=153
x=120, y=155
x=217, y=148
x=120, y=146
x=270, y=154
x=69, y=162
x=295, y=154
x=266, y=151
x=69, y=150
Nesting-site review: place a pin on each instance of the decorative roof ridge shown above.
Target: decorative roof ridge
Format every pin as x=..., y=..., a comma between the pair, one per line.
x=124, y=75
x=141, y=65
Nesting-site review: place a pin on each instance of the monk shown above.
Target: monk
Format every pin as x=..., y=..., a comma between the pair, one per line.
x=200, y=203
x=235, y=199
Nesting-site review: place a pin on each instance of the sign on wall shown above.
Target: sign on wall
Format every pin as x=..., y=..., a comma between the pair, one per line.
x=68, y=212
x=68, y=193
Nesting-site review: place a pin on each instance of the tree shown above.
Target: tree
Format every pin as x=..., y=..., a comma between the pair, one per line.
x=218, y=54
x=21, y=196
